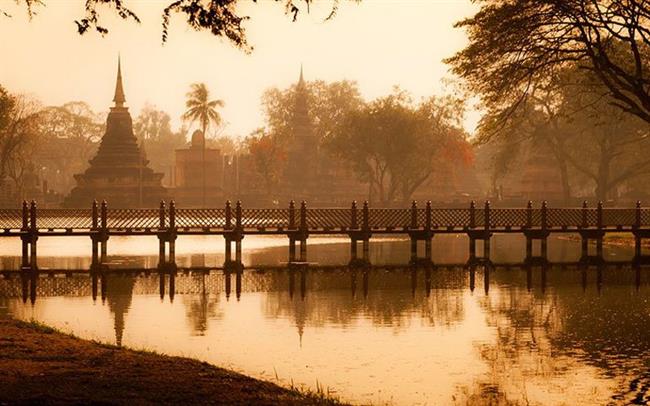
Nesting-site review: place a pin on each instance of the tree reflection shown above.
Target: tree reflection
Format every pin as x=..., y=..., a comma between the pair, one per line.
x=201, y=307
x=586, y=333
x=391, y=300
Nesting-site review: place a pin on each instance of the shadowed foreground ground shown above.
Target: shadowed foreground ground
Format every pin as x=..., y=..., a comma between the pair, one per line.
x=39, y=365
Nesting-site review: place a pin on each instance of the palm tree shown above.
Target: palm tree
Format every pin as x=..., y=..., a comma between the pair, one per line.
x=202, y=110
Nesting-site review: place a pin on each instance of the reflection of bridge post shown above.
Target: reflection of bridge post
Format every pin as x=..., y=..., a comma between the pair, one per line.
x=472, y=276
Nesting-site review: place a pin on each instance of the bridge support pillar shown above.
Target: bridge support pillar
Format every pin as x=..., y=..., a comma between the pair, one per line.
x=588, y=235
x=476, y=235
x=639, y=236
x=355, y=238
x=540, y=235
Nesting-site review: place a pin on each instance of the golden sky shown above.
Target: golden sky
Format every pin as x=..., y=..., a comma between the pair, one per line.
x=377, y=43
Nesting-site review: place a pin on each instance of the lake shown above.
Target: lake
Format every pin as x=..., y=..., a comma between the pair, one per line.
x=388, y=335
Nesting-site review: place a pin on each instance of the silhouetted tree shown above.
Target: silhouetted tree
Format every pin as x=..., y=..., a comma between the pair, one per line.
x=515, y=45
x=393, y=145
x=220, y=17
x=202, y=110
x=269, y=157
x=153, y=128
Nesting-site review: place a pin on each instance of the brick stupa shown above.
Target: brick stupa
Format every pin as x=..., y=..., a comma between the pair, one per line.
x=119, y=172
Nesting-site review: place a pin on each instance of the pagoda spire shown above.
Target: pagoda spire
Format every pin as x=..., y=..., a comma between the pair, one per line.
x=301, y=80
x=119, y=98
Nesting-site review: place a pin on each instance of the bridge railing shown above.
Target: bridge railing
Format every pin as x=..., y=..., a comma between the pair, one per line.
x=294, y=218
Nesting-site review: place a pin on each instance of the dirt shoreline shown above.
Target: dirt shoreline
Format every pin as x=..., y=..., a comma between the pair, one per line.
x=39, y=365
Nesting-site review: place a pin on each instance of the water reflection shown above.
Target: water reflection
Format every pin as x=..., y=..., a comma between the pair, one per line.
x=483, y=334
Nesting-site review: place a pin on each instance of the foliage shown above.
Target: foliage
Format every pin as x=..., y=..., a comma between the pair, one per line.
x=269, y=156
x=18, y=130
x=517, y=46
x=394, y=145
x=220, y=17
x=69, y=135
x=328, y=104
x=152, y=127
x=201, y=109
x=592, y=142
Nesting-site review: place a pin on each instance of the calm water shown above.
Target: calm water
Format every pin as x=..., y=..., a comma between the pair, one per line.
x=396, y=336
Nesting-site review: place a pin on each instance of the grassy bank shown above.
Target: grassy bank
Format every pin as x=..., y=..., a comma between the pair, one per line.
x=39, y=365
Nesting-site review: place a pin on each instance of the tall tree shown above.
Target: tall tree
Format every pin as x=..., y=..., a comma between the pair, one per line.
x=393, y=145
x=516, y=45
x=269, y=157
x=153, y=128
x=18, y=130
x=202, y=110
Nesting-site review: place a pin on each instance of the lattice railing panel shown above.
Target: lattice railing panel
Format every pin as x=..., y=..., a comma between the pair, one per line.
x=331, y=218
x=563, y=217
x=11, y=218
x=619, y=217
x=64, y=218
x=508, y=217
x=201, y=218
x=450, y=217
x=133, y=218
x=265, y=218
x=645, y=217
x=479, y=217
x=384, y=218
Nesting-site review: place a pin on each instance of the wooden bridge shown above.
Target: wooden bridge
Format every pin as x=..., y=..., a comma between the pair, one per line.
x=359, y=223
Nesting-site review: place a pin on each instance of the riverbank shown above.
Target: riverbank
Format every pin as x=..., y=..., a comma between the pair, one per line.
x=39, y=365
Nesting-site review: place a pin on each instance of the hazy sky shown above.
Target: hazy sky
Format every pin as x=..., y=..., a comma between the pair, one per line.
x=377, y=43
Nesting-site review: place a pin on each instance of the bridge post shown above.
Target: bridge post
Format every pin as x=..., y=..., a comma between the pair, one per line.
x=599, y=224
x=529, y=225
x=303, y=231
x=162, y=260
x=94, y=237
x=585, y=224
x=353, y=226
x=292, y=228
x=472, y=225
x=366, y=234
x=104, y=231
x=544, y=240
x=429, y=236
x=637, y=227
x=228, y=229
x=33, y=231
x=413, y=226
x=238, y=234
x=486, y=237
x=25, y=237
x=171, y=233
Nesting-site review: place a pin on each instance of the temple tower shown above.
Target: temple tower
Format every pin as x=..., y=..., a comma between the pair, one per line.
x=303, y=151
x=119, y=172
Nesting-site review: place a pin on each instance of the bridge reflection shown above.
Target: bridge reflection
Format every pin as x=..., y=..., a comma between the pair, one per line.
x=296, y=280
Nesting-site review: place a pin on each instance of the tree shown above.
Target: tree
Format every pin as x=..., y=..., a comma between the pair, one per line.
x=153, y=128
x=392, y=144
x=69, y=134
x=269, y=156
x=204, y=111
x=516, y=46
x=220, y=17
x=18, y=130
x=328, y=104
